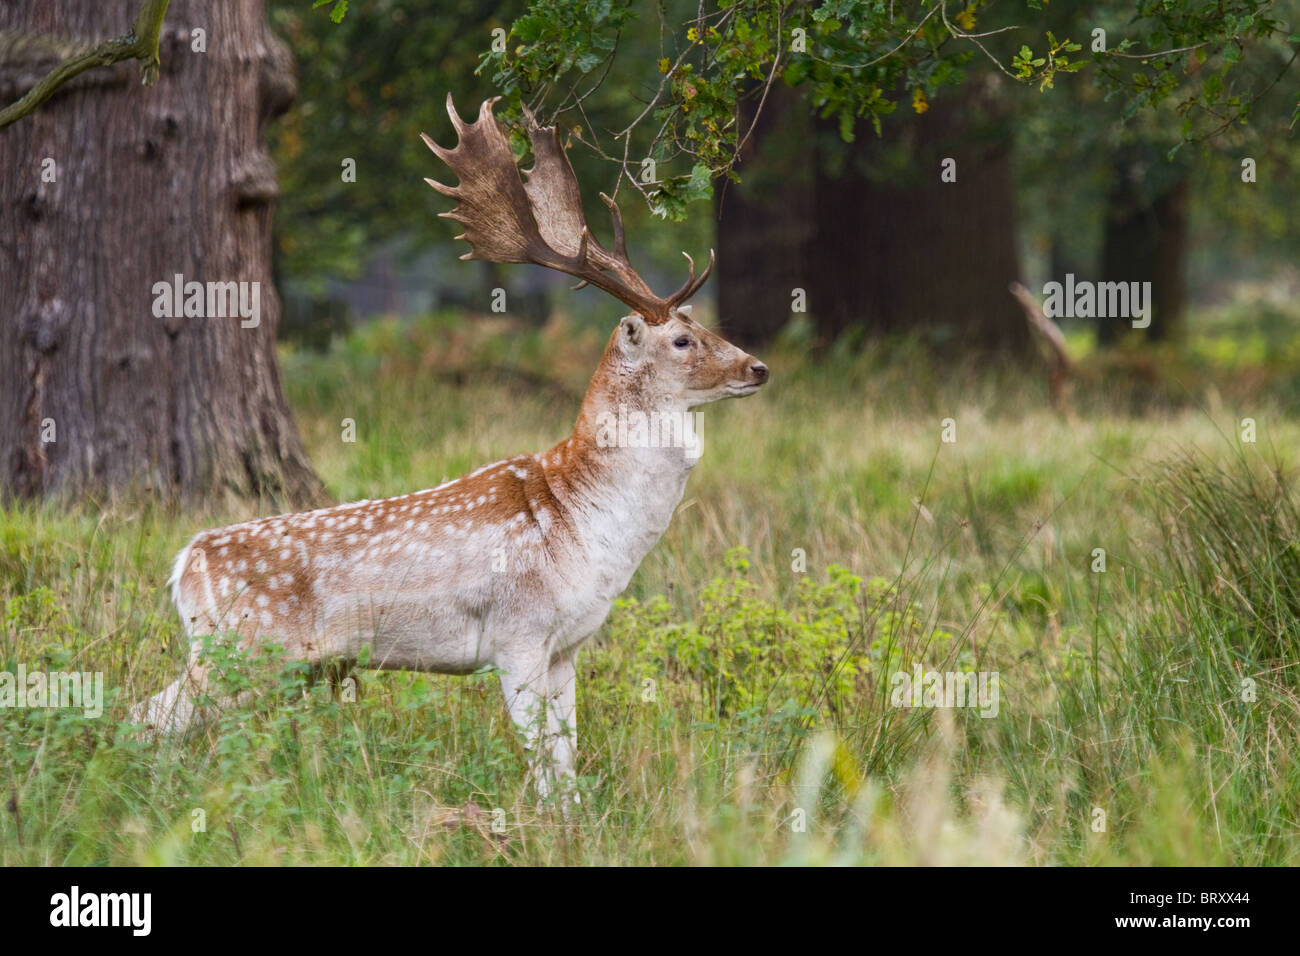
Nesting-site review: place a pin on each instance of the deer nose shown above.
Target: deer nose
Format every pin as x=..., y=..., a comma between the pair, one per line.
x=759, y=371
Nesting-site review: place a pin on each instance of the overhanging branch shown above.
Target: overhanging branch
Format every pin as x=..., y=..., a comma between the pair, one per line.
x=140, y=44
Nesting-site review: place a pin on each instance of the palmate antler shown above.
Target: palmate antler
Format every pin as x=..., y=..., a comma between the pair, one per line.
x=541, y=221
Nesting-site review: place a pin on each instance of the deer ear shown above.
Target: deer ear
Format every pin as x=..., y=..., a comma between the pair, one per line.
x=632, y=333
x=685, y=310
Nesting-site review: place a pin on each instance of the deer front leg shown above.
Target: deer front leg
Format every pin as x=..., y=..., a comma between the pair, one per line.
x=536, y=695
x=563, y=717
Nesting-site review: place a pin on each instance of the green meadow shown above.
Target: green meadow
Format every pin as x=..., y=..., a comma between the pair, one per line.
x=1128, y=567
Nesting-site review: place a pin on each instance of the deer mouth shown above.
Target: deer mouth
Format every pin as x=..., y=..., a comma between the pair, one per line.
x=739, y=390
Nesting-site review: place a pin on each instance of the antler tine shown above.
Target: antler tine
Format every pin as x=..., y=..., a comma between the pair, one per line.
x=456, y=122
x=704, y=276
x=692, y=285
x=582, y=255
x=620, y=242
x=536, y=218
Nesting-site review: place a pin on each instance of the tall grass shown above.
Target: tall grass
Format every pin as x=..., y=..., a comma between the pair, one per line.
x=736, y=707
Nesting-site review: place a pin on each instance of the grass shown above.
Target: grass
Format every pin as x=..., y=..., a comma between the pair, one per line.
x=736, y=708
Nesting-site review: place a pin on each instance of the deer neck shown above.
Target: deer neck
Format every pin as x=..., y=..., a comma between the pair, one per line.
x=628, y=458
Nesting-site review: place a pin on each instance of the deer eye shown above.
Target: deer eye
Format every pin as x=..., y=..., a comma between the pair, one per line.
x=683, y=342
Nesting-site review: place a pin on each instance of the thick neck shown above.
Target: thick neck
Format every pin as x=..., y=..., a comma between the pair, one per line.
x=607, y=463
x=616, y=388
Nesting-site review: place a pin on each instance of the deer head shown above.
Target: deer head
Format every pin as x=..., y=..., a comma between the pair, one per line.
x=658, y=356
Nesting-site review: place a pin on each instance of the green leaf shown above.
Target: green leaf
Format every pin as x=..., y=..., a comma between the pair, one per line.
x=846, y=125
x=529, y=28
x=700, y=185
x=588, y=61
x=338, y=11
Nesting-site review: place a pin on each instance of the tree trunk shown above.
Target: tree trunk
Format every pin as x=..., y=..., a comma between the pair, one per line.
x=899, y=250
x=1145, y=239
x=877, y=241
x=765, y=223
x=107, y=191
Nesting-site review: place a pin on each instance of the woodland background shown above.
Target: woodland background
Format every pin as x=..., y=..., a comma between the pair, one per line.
x=735, y=708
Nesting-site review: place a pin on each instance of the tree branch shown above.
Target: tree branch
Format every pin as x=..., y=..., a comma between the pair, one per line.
x=140, y=44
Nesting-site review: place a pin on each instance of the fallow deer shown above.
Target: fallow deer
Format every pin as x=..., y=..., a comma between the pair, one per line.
x=516, y=564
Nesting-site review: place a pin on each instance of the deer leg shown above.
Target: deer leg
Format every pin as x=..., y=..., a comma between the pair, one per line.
x=340, y=674
x=525, y=698
x=176, y=709
x=527, y=688
x=562, y=719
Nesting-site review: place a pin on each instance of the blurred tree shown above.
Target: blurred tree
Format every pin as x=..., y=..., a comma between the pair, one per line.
x=1136, y=133
x=857, y=59
x=766, y=225
x=863, y=229
x=926, y=221
x=349, y=150
x=1145, y=235
x=105, y=192
x=369, y=86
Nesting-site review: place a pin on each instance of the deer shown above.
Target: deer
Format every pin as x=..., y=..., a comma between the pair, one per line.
x=517, y=564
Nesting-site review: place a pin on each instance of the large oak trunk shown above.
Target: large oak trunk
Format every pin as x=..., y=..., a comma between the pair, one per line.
x=766, y=230
x=926, y=257
x=1145, y=238
x=888, y=248
x=149, y=183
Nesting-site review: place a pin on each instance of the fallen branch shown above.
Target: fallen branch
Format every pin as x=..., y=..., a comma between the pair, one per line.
x=1061, y=369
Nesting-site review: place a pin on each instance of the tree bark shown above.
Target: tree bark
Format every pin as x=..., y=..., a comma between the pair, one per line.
x=1145, y=239
x=765, y=226
x=148, y=184
x=902, y=251
x=877, y=241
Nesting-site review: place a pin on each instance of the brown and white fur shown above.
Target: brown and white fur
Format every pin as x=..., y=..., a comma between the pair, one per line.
x=514, y=565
